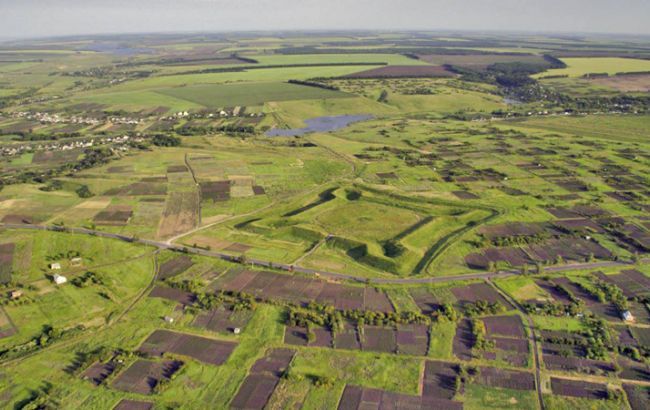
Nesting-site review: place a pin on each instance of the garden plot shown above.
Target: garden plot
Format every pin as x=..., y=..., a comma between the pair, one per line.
x=637, y=396
x=98, y=372
x=506, y=379
x=223, y=319
x=143, y=376
x=464, y=340
x=475, y=292
x=203, y=349
x=361, y=398
x=431, y=300
x=6, y=261
x=175, y=267
x=439, y=380
x=115, y=215
x=509, y=326
x=173, y=294
x=403, y=339
x=578, y=388
x=6, y=327
x=142, y=188
x=181, y=213
x=564, y=351
x=298, y=289
x=406, y=71
x=127, y=404
x=263, y=378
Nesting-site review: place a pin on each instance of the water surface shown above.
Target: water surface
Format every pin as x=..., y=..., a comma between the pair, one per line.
x=319, y=124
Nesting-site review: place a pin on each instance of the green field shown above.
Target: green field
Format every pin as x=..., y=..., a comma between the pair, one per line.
x=578, y=67
x=216, y=96
x=422, y=233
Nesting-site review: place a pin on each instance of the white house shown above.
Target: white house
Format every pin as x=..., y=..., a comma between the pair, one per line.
x=55, y=266
x=60, y=279
x=627, y=316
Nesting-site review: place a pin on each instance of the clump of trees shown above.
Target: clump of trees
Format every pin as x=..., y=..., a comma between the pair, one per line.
x=483, y=307
x=162, y=140
x=87, y=279
x=84, y=192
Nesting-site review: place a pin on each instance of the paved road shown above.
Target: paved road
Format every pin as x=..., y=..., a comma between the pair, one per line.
x=299, y=269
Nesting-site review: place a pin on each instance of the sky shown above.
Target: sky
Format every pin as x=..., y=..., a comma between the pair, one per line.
x=45, y=18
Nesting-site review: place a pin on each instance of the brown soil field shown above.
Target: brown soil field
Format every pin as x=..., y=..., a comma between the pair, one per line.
x=180, y=214
x=203, y=349
x=626, y=83
x=480, y=61
x=143, y=375
x=126, y=404
x=397, y=71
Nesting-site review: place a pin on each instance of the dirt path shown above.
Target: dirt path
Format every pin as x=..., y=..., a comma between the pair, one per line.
x=93, y=331
x=533, y=339
x=323, y=273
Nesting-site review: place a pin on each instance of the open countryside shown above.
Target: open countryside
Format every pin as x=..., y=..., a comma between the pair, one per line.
x=325, y=220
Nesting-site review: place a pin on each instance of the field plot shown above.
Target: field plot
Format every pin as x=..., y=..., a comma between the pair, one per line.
x=116, y=215
x=578, y=388
x=297, y=289
x=506, y=379
x=632, y=282
x=262, y=380
x=478, y=292
x=98, y=372
x=174, y=267
x=181, y=213
x=126, y=404
x=203, y=349
x=229, y=95
x=6, y=261
x=637, y=396
x=395, y=71
x=402, y=339
x=223, y=319
x=481, y=61
x=359, y=398
x=143, y=376
x=626, y=83
x=580, y=66
x=173, y=294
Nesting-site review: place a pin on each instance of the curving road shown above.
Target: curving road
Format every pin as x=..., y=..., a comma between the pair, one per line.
x=308, y=271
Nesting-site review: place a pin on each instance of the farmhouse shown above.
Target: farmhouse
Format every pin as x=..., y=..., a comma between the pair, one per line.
x=76, y=261
x=55, y=266
x=15, y=294
x=59, y=279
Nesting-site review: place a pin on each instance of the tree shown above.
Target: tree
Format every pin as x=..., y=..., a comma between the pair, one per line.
x=161, y=140
x=383, y=96
x=84, y=192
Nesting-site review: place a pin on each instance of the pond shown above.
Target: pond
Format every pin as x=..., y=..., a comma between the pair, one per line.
x=319, y=124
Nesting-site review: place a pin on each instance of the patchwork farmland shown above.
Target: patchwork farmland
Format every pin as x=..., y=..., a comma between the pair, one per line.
x=325, y=221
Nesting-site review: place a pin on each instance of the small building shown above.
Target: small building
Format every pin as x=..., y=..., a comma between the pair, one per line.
x=55, y=266
x=76, y=261
x=169, y=319
x=236, y=330
x=627, y=316
x=60, y=279
x=15, y=294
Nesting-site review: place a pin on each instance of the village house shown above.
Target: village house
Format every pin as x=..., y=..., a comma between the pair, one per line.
x=59, y=279
x=55, y=266
x=627, y=316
